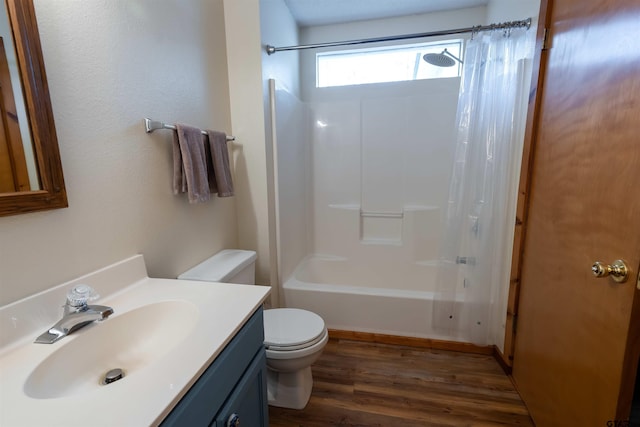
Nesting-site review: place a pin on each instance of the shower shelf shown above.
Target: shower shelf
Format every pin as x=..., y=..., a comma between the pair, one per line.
x=381, y=242
x=385, y=214
x=414, y=208
x=370, y=214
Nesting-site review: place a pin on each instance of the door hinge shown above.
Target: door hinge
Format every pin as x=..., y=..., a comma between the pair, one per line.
x=546, y=39
x=514, y=323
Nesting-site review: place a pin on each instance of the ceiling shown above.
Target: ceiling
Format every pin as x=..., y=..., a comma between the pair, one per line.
x=322, y=12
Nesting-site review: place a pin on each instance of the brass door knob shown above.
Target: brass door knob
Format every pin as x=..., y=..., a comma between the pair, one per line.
x=617, y=270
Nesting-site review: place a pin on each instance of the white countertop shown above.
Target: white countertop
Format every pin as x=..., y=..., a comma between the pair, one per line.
x=148, y=392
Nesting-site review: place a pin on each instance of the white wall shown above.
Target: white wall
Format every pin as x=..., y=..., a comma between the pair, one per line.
x=110, y=63
x=256, y=218
x=278, y=28
x=512, y=10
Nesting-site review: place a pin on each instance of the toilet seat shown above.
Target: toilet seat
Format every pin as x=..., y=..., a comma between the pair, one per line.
x=290, y=329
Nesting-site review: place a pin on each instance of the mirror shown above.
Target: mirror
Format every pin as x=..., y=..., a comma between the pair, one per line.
x=43, y=187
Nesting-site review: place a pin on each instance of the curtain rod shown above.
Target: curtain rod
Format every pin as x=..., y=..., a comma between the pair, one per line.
x=503, y=25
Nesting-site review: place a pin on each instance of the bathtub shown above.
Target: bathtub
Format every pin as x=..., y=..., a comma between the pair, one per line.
x=351, y=296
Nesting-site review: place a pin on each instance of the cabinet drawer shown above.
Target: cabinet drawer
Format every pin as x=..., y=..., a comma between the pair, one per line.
x=205, y=398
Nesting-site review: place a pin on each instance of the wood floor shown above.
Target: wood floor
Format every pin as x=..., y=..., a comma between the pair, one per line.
x=366, y=384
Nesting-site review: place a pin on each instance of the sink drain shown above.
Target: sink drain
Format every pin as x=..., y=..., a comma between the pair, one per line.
x=112, y=376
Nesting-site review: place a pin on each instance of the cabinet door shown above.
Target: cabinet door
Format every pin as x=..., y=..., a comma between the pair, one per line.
x=247, y=405
x=212, y=390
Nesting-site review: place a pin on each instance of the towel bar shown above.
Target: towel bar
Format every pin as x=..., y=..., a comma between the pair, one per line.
x=151, y=125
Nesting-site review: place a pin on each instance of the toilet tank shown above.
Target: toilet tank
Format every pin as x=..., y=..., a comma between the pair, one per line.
x=229, y=265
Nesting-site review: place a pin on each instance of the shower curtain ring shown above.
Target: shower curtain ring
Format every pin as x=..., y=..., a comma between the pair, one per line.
x=475, y=30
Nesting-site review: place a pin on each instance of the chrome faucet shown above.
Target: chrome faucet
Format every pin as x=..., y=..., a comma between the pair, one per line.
x=77, y=313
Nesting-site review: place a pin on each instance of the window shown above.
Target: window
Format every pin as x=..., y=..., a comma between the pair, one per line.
x=385, y=64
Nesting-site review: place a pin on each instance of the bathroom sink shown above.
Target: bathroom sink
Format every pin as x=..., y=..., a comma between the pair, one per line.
x=163, y=335
x=131, y=342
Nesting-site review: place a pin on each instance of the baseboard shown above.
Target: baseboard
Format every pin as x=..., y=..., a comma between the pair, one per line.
x=504, y=363
x=462, y=347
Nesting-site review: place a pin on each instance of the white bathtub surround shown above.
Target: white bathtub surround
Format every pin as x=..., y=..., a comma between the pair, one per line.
x=40, y=387
x=361, y=198
x=354, y=183
x=290, y=131
x=480, y=214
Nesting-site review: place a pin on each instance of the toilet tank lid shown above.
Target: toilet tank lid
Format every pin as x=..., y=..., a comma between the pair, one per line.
x=220, y=267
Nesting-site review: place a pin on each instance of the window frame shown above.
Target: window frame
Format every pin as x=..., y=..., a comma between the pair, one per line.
x=419, y=64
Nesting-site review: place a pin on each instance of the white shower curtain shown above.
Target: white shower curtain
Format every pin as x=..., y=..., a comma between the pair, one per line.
x=480, y=213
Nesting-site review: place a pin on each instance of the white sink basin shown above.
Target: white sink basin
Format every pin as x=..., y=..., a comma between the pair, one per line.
x=163, y=334
x=130, y=342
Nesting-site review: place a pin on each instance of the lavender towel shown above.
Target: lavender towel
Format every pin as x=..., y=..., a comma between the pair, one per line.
x=190, y=164
x=219, y=173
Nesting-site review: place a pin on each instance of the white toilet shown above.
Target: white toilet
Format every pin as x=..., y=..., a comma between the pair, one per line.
x=293, y=338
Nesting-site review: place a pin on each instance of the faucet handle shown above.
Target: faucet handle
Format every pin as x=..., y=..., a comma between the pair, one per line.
x=80, y=295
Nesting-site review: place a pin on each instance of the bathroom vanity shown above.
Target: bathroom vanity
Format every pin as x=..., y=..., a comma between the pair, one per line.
x=233, y=390
x=192, y=354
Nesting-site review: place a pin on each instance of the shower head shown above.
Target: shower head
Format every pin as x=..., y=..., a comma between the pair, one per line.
x=443, y=59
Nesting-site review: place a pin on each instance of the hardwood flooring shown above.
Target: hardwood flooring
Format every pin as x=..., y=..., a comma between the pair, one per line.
x=368, y=384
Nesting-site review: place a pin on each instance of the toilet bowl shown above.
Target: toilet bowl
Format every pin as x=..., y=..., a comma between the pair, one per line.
x=294, y=338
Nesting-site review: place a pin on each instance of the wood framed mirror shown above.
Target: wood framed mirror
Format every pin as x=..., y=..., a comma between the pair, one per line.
x=49, y=192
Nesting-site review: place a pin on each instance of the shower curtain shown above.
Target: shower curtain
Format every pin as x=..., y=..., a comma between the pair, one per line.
x=480, y=213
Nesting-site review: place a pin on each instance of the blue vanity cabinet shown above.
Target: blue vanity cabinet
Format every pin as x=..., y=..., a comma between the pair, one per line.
x=233, y=389
x=244, y=406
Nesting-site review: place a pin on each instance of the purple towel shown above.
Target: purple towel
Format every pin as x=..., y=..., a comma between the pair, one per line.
x=190, y=164
x=219, y=171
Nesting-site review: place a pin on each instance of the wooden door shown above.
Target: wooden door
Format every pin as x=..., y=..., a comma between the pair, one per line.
x=578, y=342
